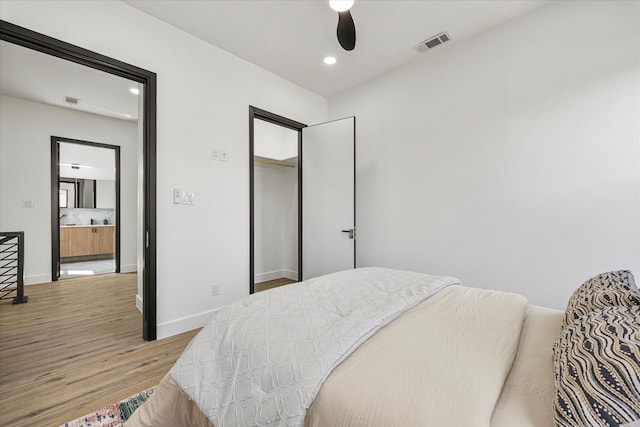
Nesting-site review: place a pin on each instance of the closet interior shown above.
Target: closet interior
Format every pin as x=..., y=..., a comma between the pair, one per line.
x=276, y=165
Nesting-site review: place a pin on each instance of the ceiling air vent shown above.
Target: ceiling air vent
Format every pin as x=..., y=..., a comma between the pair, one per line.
x=432, y=42
x=71, y=101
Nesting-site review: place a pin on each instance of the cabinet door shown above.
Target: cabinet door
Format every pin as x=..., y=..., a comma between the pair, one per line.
x=81, y=241
x=64, y=242
x=105, y=240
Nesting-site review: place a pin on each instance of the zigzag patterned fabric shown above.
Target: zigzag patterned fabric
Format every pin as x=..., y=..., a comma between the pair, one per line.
x=597, y=369
x=615, y=288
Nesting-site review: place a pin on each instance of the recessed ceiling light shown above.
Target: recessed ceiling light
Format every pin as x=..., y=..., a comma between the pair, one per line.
x=134, y=90
x=330, y=60
x=340, y=5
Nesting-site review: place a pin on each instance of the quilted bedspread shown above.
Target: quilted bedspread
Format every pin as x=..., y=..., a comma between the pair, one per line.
x=263, y=359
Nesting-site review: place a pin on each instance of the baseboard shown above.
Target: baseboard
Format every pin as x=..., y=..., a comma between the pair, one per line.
x=35, y=279
x=139, y=303
x=290, y=274
x=128, y=268
x=277, y=274
x=184, y=324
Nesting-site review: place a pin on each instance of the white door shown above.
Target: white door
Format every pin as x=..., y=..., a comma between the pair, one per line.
x=328, y=197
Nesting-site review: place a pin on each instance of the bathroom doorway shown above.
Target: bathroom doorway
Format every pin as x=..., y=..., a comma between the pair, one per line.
x=86, y=178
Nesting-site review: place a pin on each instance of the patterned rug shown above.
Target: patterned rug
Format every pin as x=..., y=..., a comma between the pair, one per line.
x=113, y=415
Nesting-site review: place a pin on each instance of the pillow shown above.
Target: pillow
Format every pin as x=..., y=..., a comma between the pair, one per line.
x=597, y=371
x=604, y=290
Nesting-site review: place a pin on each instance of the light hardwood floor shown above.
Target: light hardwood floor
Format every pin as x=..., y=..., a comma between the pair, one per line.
x=270, y=284
x=76, y=347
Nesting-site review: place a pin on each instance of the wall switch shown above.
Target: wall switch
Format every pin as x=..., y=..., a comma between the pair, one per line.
x=28, y=204
x=188, y=198
x=177, y=196
x=215, y=289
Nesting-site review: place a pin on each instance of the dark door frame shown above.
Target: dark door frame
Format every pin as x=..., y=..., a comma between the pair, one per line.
x=257, y=113
x=30, y=39
x=55, y=200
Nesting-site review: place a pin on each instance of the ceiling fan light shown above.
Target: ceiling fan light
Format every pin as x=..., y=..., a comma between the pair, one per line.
x=330, y=60
x=340, y=5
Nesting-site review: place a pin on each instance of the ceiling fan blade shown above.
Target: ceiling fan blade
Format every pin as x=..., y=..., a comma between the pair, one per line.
x=346, y=30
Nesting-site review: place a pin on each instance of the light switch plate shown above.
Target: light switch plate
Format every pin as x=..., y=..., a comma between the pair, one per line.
x=187, y=198
x=177, y=196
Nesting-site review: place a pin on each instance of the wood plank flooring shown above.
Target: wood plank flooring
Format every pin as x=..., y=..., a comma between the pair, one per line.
x=270, y=284
x=76, y=347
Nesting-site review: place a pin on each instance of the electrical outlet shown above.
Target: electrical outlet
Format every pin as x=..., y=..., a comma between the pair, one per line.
x=219, y=155
x=215, y=289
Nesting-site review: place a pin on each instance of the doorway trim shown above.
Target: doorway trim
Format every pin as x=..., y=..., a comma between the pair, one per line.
x=55, y=200
x=33, y=40
x=257, y=113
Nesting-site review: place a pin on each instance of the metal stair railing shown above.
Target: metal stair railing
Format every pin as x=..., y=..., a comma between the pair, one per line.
x=12, y=266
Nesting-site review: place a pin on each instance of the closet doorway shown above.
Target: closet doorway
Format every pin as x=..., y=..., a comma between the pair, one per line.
x=322, y=224
x=275, y=202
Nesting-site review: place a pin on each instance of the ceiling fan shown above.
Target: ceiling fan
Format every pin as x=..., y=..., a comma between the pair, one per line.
x=346, y=28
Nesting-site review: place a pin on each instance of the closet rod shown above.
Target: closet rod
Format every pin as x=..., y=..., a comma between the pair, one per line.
x=269, y=162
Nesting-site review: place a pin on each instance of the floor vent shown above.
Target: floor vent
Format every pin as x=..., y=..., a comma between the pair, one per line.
x=432, y=42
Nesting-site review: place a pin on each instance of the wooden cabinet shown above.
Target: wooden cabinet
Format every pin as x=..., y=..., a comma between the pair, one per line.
x=83, y=241
x=80, y=241
x=104, y=240
x=64, y=242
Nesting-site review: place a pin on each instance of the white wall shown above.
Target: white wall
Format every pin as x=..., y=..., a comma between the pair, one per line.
x=25, y=159
x=203, y=98
x=273, y=141
x=275, y=222
x=510, y=160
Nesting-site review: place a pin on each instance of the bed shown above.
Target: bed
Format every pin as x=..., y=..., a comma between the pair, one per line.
x=380, y=347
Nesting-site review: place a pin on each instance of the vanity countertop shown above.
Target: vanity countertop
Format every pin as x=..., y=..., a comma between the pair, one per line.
x=87, y=225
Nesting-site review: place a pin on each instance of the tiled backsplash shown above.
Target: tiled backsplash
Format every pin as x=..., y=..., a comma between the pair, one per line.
x=84, y=216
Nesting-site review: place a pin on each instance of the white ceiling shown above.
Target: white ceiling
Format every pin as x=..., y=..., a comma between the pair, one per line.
x=35, y=76
x=38, y=77
x=291, y=37
x=287, y=37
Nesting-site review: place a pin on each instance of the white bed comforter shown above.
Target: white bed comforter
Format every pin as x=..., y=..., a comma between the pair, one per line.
x=262, y=360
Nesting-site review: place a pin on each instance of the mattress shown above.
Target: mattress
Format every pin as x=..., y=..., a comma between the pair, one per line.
x=463, y=357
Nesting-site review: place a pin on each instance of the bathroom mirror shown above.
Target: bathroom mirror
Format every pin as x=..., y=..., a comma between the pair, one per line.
x=80, y=193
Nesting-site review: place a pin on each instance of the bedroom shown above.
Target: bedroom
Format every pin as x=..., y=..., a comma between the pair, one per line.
x=495, y=206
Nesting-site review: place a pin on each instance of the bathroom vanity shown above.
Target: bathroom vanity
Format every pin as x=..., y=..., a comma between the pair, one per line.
x=87, y=240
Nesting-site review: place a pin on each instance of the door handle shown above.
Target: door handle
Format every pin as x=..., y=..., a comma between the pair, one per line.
x=351, y=232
